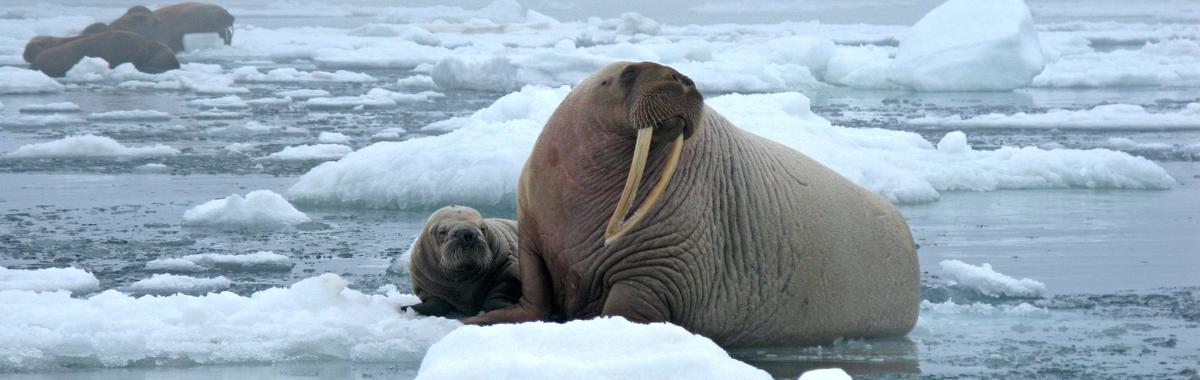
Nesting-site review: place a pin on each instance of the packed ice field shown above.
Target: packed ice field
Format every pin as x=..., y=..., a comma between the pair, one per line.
x=248, y=214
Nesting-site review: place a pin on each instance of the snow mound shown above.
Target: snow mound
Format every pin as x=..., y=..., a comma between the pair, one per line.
x=130, y=115
x=991, y=282
x=88, y=146
x=231, y=102
x=48, y=279
x=291, y=75
x=950, y=49
x=319, y=152
x=49, y=108
x=263, y=261
x=315, y=319
x=21, y=81
x=479, y=161
x=172, y=284
x=333, y=138
x=602, y=348
x=260, y=209
x=1109, y=116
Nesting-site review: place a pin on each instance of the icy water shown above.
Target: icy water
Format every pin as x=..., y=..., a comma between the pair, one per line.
x=1120, y=266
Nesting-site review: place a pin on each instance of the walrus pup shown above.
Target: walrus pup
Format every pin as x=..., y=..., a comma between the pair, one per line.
x=740, y=239
x=464, y=263
x=187, y=18
x=116, y=47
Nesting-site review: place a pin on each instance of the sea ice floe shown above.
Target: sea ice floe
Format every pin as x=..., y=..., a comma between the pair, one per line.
x=303, y=94
x=227, y=102
x=990, y=282
x=318, y=152
x=38, y=121
x=88, y=146
x=262, y=261
x=333, y=138
x=218, y=114
x=60, y=107
x=1171, y=63
x=48, y=279
x=172, y=284
x=608, y=348
x=260, y=209
x=291, y=75
x=130, y=115
x=1108, y=116
x=15, y=80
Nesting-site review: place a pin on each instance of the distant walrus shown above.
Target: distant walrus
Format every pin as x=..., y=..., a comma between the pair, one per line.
x=186, y=18
x=37, y=44
x=740, y=239
x=464, y=263
x=141, y=20
x=116, y=47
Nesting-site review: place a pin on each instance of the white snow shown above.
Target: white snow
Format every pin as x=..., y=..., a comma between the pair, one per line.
x=417, y=81
x=318, y=152
x=258, y=261
x=374, y=99
x=478, y=162
x=228, y=102
x=195, y=77
x=260, y=209
x=1108, y=116
x=315, y=319
x=21, y=81
x=333, y=138
x=49, y=108
x=171, y=284
x=249, y=129
x=88, y=146
x=49, y=279
x=303, y=94
x=1170, y=63
x=952, y=49
x=825, y=374
x=291, y=75
x=130, y=115
x=240, y=147
x=990, y=282
x=601, y=348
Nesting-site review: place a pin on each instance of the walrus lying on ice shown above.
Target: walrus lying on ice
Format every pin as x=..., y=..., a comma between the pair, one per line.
x=740, y=239
x=462, y=263
x=116, y=47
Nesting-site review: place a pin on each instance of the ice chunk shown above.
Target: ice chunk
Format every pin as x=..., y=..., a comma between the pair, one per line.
x=1108, y=116
x=416, y=81
x=228, y=102
x=1125, y=144
x=38, y=121
x=291, y=75
x=321, y=152
x=172, y=284
x=403, y=32
x=315, y=319
x=980, y=309
x=954, y=142
x=826, y=374
x=303, y=94
x=266, y=102
x=991, y=282
x=260, y=209
x=258, y=261
x=374, y=99
x=634, y=23
x=1170, y=63
x=610, y=348
x=333, y=138
x=240, y=147
x=49, y=279
x=88, y=146
x=50, y=108
x=130, y=115
x=217, y=114
x=952, y=49
x=21, y=81
x=248, y=129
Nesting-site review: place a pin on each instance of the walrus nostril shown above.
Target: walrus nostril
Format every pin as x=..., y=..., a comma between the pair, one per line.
x=465, y=236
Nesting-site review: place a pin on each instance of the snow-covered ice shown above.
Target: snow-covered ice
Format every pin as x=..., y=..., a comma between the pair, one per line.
x=291, y=75
x=22, y=81
x=990, y=282
x=39, y=120
x=303, y=94
x=1108, y=116
x=318, y=152
x=88, y=146
x=314, y=319
x=258, y=261
x=333, y=138
x=49, y=279
x=172, y=284
x=602, y=348
x=260, y=209
x=228, y=102
x=130, y=115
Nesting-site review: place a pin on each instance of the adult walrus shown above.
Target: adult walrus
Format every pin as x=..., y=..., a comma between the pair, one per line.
x=141, y=20
x=186, y=18
x=463, y=263
x=38, y=44
x=741, y=239
x=116, y=47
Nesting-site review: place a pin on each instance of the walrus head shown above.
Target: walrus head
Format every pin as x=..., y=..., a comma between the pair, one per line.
x=459, y=235
x=645, y=101
x=37, y=45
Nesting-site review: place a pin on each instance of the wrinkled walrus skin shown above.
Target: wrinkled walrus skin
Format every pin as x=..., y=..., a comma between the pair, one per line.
x=116, y=47
x=463, y=263
x=187, y=18
x=750, y=243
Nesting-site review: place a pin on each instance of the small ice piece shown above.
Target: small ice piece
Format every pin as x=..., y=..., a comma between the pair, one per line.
x=989, y=282
x=21, y=81
x=825, y=374
x=88, y=146
x=1106, y=116
x=319, y=152
x=47, y=280
x=954, y=142
x=152, y=168
x=635, y=23
x=1023, y=309
x=291, y=75
x=1125, y=144
x=391, y=133
x=216, y=114
x=240, y=147
x=227, y=102
x=303, y=94
x=172, y=284
x=417, y=81
x=260, y=209
x=39, y=121
x=333, y=138
x=950, y=49
x=248, y=129
x=258, y=261
x=603, y=348
x=61, y=107
x=267, y=102
x=130, y=115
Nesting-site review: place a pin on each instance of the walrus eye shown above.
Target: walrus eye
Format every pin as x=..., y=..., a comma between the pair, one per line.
x=441, y=232
x=628, y=75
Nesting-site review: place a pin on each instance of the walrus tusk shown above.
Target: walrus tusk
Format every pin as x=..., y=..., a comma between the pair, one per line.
x=618, y=227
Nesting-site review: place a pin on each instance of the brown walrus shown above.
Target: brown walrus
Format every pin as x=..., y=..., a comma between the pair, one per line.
x=37, y=44
x=463, y=263
x=139, y=19
x=186, y=18
x=116, y=47
x=740, y=239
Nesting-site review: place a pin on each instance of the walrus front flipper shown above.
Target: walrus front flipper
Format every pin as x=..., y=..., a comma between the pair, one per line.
x=503, y=295
x=435, y=307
